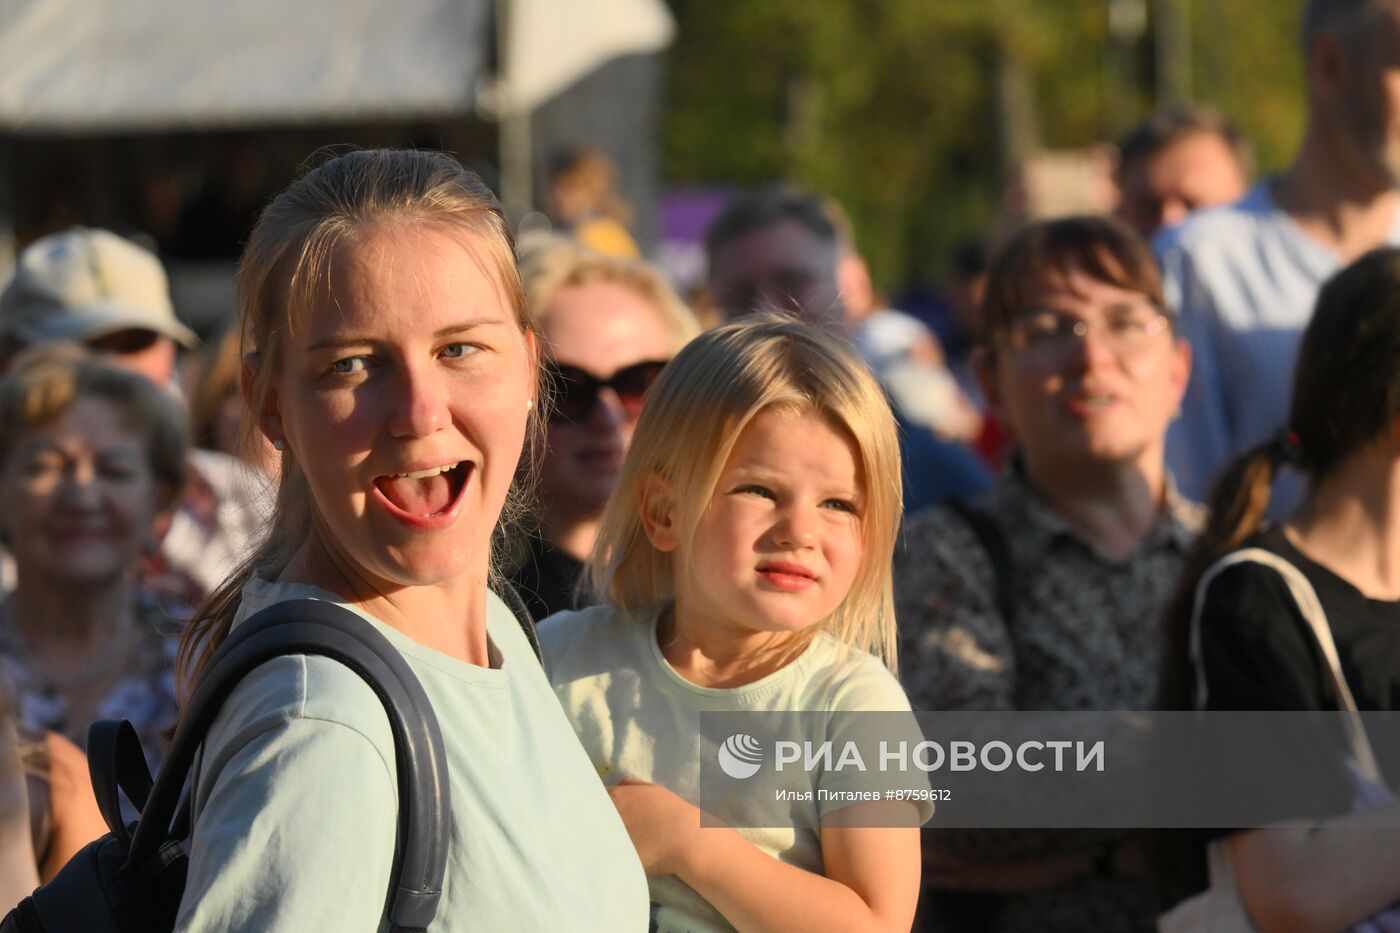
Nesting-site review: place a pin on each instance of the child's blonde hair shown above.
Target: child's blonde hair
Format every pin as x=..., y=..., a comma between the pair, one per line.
x=695, y=413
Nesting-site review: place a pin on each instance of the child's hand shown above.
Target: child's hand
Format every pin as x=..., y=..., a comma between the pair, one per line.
x=662, y=825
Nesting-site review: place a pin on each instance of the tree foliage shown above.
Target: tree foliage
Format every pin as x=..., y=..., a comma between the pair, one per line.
x=907, y=111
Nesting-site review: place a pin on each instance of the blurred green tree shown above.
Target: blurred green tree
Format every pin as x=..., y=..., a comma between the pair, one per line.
x=912, y=113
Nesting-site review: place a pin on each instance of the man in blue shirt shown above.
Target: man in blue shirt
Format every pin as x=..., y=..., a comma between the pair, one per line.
x=1244, y=277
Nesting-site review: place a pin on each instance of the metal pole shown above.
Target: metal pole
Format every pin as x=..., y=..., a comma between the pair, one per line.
x=517, y=163
x=1173, y=53
x=1127, y=21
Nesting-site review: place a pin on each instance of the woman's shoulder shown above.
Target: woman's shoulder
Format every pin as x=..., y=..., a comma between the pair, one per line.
x=293, y=698
x=589, y=631
x=835, y=676
x=941, y=529
x=1252, y=580
x=938, y=557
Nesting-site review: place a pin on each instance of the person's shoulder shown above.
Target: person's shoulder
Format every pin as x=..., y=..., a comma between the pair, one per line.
x=225, y=473
x=1248, y=586
x=941, y=527
x=837, y=677
x=942, y=540
x=591, y=629
x=1228, y=227
x=300, y=689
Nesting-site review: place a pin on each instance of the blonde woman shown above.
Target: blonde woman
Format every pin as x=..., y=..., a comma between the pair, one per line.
x=393, y=367
x=745, y=563
x=608, y=326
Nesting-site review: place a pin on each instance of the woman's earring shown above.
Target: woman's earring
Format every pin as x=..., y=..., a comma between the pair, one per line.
x=280, y=444
x=529, y=404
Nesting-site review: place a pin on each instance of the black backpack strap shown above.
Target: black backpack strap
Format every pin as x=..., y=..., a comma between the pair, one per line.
x=993, y=541
x=316, y=627
x=117, y=766
x=513, y=600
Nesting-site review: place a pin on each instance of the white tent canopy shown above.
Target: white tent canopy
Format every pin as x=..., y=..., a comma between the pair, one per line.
x=99, y=65
x=555, y=42
x=92, y=66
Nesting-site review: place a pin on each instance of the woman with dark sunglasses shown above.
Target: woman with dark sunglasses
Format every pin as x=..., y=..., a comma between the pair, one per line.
x=609, y=326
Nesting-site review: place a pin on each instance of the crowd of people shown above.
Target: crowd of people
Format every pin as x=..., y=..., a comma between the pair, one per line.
x=1157, y=468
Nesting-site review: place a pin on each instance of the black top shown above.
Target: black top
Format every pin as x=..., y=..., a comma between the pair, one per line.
x=1259, y=653
x=547, y=579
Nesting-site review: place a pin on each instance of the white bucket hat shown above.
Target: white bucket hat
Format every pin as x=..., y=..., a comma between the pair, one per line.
x=83, y=284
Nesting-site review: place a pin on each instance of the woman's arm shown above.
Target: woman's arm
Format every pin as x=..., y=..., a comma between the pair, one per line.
x=1323, y=875
x=18, y=875
x=1284, y=889
x=76, y=819
x=871, y=880
x=294, y=832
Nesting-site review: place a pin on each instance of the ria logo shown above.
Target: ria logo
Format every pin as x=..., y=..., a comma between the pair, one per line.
x=740, y=756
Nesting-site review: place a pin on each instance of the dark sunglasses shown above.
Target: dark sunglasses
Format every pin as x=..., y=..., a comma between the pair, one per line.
x=576, y=390
x=125, y=342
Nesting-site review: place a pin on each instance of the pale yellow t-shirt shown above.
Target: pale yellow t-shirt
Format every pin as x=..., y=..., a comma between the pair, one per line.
x=638, y=718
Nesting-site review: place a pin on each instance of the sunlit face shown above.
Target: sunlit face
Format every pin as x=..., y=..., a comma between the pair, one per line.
x=780, y=544
x=78, y=498
x=1198, y=170
x=1106, y=395
x=403, y=399
x=781, y=267
x=140, y=351
x=599, y=327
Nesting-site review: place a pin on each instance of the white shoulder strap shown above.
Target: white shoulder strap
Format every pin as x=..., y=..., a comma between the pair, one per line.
x=1306, y=598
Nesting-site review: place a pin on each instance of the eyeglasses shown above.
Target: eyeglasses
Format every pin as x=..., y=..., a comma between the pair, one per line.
x=576, y=390
x=125, y=342
x=1048, y=335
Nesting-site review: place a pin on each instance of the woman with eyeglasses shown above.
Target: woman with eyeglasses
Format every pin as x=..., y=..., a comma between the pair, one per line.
x=609, y=325
x=1045, y=592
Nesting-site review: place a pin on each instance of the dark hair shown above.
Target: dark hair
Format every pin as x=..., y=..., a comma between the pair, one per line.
x=1171, y=125
x=1104, y=248
x=1339, y=17
x=757, y=210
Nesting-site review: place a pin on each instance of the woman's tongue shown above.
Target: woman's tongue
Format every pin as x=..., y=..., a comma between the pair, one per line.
x=426, y=496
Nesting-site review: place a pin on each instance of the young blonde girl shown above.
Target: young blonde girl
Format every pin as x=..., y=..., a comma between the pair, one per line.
x=744, y=565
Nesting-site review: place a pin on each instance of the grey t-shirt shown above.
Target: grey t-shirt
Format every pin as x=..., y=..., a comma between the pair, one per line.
x=295, y=799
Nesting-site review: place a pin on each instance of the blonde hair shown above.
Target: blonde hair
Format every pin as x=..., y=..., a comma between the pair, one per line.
x=713, y=388
x=551, y=268
x=45, y=382
x=285, y=270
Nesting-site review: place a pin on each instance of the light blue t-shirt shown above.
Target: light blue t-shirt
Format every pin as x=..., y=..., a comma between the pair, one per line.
x=638, y=718
x=295, y=800
x=1243, y=279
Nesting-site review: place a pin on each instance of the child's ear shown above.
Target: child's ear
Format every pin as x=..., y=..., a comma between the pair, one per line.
x=657, y=506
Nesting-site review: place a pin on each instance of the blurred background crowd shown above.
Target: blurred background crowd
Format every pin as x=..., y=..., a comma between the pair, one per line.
x=895, y=170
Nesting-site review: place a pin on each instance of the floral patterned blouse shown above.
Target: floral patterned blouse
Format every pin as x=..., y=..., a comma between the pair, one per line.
x=145, y=694
x=1085, y=636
